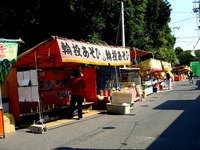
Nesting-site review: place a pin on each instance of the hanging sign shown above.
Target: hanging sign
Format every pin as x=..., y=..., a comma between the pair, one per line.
x=80, y=52
x=8, y=50
x=8, y=55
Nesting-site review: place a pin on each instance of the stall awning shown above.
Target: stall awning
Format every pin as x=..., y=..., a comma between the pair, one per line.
x=151, y=65
x=181, y=69
x=136, y=53
x=61, y=52
x=166, y=66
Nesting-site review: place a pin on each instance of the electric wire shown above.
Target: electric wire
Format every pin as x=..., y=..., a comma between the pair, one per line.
x=183, y=23
x=183, y=20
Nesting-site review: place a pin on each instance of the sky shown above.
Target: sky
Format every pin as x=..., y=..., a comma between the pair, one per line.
x=184, y=24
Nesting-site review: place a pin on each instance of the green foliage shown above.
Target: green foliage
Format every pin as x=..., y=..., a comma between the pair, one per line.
x=146, y=23
x=185, y=58
x=178, y=50
x=135, y=23
x=5, y=66
x=197, y=53
x=94, y=38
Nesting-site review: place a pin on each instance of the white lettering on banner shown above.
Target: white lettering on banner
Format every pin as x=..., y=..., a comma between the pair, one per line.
x=74, y=51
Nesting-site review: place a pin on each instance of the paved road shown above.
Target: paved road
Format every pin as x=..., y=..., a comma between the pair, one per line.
x=167, y=120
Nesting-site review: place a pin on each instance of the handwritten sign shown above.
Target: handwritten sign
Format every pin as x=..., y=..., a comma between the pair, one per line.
x=74, y=51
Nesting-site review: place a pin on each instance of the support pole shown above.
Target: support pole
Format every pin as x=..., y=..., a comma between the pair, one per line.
x=122, y=16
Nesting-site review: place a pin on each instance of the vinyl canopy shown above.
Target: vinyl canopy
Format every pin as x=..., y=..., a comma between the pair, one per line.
x=61, y=52
x=137, y=53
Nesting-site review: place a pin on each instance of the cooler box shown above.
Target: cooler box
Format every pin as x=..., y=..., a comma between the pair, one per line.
x=118, y=109
x=120, y=104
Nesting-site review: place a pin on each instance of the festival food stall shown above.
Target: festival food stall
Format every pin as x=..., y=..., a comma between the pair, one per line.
x=130, y=86
x=180, y=72
x=149, y=70
x=153, y=74
x=128, y=80
x=39, y=78
x=167, y=68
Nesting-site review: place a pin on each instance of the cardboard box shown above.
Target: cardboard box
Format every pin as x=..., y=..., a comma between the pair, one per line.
x=118, y=109
x=9, y=123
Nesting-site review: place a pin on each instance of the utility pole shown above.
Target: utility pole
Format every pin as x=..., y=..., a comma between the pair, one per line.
x=122, y=16
x=197, y=11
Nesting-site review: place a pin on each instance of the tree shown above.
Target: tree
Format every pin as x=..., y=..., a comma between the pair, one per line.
x=185, y=58
x=178, y=50
x=157, y=32
x=146, y=23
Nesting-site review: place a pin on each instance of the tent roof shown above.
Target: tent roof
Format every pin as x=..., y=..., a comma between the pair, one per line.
x=44, y=55
x=183, y=68
x=47, y=55
x=151, y=65
x=136, y=53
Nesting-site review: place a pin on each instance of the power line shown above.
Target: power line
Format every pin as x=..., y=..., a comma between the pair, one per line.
x=187, y=37
x=177, y=12
x=183, y=20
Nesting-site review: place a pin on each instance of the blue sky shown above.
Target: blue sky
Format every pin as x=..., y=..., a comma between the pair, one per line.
x=184, y=24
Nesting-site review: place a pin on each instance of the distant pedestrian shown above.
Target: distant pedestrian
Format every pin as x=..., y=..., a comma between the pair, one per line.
x=190, y=77
x=168, y=77
x=190, y=74
x=76, y=86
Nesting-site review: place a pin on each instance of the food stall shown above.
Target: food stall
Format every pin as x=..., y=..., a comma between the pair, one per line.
x=130, y=85
x=149, y=68
x=180, y=72
x=43, y=71
x=121, y=80
x=130, y=82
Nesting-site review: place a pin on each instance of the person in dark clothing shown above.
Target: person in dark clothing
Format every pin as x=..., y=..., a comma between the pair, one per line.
x=168, y=77
x=190, y=74
x=76, y=86
x=190, y=77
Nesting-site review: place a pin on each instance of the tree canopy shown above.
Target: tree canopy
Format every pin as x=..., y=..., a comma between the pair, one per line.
x=146, y=23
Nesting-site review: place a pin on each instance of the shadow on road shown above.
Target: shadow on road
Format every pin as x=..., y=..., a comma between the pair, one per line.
x=69, y=148
x=184, y=132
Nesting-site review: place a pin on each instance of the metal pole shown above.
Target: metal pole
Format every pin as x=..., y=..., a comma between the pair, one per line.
x=122, y=16
x=39, y=99
x=1, y=104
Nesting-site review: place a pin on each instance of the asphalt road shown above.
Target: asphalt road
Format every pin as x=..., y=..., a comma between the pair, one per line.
x=166, y=120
